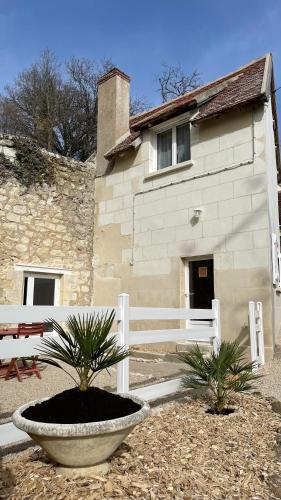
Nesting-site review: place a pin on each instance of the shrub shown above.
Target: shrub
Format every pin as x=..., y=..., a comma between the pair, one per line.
x=85, y=344
x=223, y=374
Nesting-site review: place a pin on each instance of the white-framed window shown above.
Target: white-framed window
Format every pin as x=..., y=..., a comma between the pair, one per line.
x=173, y=146
x=41, y=289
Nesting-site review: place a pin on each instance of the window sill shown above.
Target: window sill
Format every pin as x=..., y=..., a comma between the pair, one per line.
x=169, y=170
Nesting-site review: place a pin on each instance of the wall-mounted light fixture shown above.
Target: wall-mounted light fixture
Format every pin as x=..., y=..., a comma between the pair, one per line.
x=197, y=212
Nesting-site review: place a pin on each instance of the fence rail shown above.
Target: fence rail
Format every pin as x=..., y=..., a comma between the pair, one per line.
x=209, y=331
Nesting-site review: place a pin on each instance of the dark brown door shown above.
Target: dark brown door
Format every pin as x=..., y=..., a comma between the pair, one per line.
x=201, y=283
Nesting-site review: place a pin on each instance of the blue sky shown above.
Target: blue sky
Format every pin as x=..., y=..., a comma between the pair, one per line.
x=213, y=36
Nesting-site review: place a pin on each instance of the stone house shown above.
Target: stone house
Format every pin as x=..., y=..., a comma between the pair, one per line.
x=177, y=207
x=186, y=199
x=46, y=228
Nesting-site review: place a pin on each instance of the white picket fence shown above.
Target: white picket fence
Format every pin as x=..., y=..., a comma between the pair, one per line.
x=256, y=333
x=209, y=331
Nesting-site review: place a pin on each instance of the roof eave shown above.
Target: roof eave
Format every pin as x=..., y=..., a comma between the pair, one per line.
x=257, y=99
x=164, y=116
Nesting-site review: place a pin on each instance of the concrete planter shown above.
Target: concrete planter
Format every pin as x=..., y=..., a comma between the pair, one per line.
x=81, y=445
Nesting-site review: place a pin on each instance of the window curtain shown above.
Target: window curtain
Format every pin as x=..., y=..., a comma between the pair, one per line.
x=183, y=143
x=164, y=149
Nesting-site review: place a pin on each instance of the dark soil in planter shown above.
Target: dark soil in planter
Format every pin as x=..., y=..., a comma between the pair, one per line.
x=74, y=407
x=225, y=412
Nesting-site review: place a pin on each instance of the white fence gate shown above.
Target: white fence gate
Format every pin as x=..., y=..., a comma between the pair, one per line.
x=256, y=333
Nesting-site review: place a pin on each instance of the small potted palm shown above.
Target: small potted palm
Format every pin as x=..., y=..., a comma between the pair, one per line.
x=83, y=426
x=223, y=374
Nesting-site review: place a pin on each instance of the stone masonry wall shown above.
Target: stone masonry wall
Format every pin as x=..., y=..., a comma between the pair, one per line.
x=48, y=226
x=147, y=223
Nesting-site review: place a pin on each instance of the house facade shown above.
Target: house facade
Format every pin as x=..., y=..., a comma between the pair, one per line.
x=186, y=203
x=178, y=206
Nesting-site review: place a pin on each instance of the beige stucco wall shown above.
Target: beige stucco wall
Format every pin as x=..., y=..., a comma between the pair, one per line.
x=48, y=226
x=142, y=236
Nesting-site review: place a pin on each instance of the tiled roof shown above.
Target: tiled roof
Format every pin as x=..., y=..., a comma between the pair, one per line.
x=123, y=145
x=241, y=87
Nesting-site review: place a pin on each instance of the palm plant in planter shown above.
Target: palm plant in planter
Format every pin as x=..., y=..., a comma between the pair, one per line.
x=84, y=425
x=223, y=374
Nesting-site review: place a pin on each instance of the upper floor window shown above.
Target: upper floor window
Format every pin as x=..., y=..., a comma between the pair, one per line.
x=173, y=146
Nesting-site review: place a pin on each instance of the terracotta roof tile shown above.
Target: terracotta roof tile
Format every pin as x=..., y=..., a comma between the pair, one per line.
x=123, y=145
x=235, y=89
x=239, y=90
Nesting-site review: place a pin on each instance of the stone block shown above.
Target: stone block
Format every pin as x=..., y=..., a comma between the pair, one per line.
x=249, y=185
x=114, y=178
x=251, y=221
x=153, y=222
x=105, y=219
x=220, y=159
x=236, y=206
x=128, y=201
x=222, y=226
x=259, y=201
x=239, y=172
x=178, y=218
x=189, y=232
x=124, y=215
x=101, y=207
x=190, y=199
x=126, y=228
x=235, y=138
x=239, y=241
x=218, y=193
x=243, y=152
x=113, y=205
x=122, y=189
x=21, y=248
x=223, y=261
x=143, y=239
x=261, y=238
x=152, y=268
x=12, y=217
x=163, y=235
x=154, y=252
x=19, y=209
x=209, y=212
x=251, y=259
x=205, y=147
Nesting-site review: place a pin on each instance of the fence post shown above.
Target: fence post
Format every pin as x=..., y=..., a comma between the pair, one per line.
x=123, y=340
x=260, y=333
x=252, y=327
x=217, y=325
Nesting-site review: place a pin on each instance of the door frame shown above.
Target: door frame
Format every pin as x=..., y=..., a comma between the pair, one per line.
x=30, y=286
x=186, y=262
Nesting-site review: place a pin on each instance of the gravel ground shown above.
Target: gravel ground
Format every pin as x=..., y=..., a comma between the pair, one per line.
x=178, y=452
x=270, y=384
x=14, y=394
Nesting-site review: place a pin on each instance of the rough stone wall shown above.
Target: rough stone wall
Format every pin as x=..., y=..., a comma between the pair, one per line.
x=48, y=226
x=156, y=228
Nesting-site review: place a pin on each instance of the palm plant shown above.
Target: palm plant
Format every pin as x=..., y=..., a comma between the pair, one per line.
x=85, y=344
x=223, y=374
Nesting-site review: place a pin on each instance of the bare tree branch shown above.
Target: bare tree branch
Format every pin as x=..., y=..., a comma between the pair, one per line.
x=174, y=82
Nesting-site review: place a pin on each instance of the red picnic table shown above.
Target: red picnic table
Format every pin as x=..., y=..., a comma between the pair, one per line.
x=11, y=331
x=23, y=330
